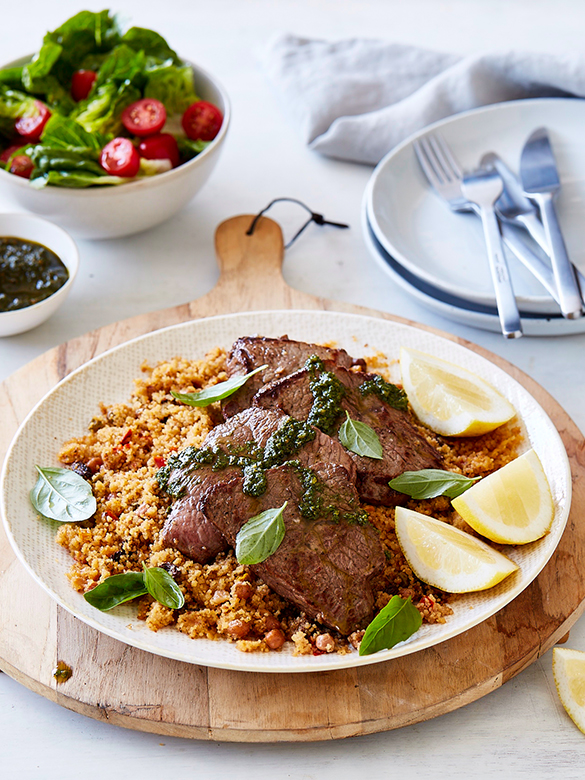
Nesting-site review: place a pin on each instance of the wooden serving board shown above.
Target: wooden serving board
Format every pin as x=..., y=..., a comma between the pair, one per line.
x=129, y=687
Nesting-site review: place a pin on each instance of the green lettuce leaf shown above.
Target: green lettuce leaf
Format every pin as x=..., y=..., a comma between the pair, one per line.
x=65, y=133
x=121, y=64
x=171, y=84
x=83, y=34
x=154, y=167
x=50, y=158
x=13, y=104
x=12, y=77
x=74, y=179
x=188, y=148
x=40, y=66
x=49, y=73
x=151, y=43
x=101, y=112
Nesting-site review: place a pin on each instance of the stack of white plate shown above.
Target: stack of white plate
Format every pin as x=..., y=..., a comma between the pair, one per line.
x=437, y=256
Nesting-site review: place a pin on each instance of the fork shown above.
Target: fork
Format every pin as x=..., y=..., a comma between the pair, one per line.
x=476, y=191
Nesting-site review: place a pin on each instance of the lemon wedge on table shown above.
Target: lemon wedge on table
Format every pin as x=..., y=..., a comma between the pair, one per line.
x=449, y=399
x=447, y=558
x=569, y=674
x=513, y=505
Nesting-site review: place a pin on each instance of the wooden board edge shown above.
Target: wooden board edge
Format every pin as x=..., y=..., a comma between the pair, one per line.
x=115, y=717
x=128, y=720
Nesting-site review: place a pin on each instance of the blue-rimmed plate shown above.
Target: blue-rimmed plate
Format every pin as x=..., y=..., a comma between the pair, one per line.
x=446, y=250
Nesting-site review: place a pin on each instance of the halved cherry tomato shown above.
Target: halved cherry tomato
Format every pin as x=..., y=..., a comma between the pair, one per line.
x=202, y=121
x=22, y=165
x=81, y=84
x=145, y=117
x=162, y=146
x=30, y=128
x=7, y=153
x=120, y=158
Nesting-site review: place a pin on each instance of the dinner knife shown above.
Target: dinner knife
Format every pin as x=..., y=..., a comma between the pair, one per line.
x=514, y=208
x=540, y=181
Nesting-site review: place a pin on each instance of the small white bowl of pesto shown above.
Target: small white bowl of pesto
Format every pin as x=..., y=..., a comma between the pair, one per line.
x=107, y=132
x=38, y=264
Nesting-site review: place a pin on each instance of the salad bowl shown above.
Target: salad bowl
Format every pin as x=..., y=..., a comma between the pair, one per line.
x=114, y=211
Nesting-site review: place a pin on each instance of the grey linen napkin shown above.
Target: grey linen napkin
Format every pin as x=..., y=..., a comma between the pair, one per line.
x=357, y=99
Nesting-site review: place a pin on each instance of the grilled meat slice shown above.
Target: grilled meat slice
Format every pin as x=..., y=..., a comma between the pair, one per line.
x=329, y=568
x=404, y=448
x=246, y=439
x=282, y=356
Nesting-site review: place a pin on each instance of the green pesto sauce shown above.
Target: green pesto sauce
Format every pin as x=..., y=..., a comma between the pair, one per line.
x=328, y=393
x=254, y=461
x=29, y=273
x=394, y=396
x=250, y=458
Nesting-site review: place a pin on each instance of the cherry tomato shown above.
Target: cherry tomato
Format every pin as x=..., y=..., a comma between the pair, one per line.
x=145, y=117
x=81, y=84
x=7, y=153
x=120, y=158
x=22, y=165
x=30, y=128
x=202, y=121
x=160, y=147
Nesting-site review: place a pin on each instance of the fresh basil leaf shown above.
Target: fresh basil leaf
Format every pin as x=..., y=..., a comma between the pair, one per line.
x=62, y=495
x=358, y=437
x=216, y=392
x=398, y=620
x=261, y=536
x=430, y=483
x=163, y=588
x=116, y=590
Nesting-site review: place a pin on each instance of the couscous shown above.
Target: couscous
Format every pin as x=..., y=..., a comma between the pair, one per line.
x=127, y=444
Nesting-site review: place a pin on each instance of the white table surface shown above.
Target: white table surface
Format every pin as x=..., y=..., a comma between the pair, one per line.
x=520, y=730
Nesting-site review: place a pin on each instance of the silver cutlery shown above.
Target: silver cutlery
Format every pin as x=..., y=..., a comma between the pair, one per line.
x=513, y=206
x=477, y=192
x=540, y=181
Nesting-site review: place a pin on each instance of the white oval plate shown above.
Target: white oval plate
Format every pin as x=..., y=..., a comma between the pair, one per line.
x=447, y=250
x=66, y=410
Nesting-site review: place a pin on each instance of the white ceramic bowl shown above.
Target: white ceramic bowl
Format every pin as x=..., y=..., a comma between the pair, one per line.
x=57, y=240
x=110, y=212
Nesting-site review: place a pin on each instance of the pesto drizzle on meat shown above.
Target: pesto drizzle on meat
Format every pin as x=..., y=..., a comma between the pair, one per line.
x=392, y=394
x=327, y=392
x=254, y=461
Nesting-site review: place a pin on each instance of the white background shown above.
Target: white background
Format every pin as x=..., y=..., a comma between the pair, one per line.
x=520, y=730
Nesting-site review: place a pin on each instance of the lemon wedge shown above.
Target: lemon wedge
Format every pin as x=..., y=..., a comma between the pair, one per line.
x=447, y=558
x=569, y=674
x=449, y=399
x=513, y=505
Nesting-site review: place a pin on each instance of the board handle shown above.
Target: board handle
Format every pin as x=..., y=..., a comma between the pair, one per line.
x=250, y=265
